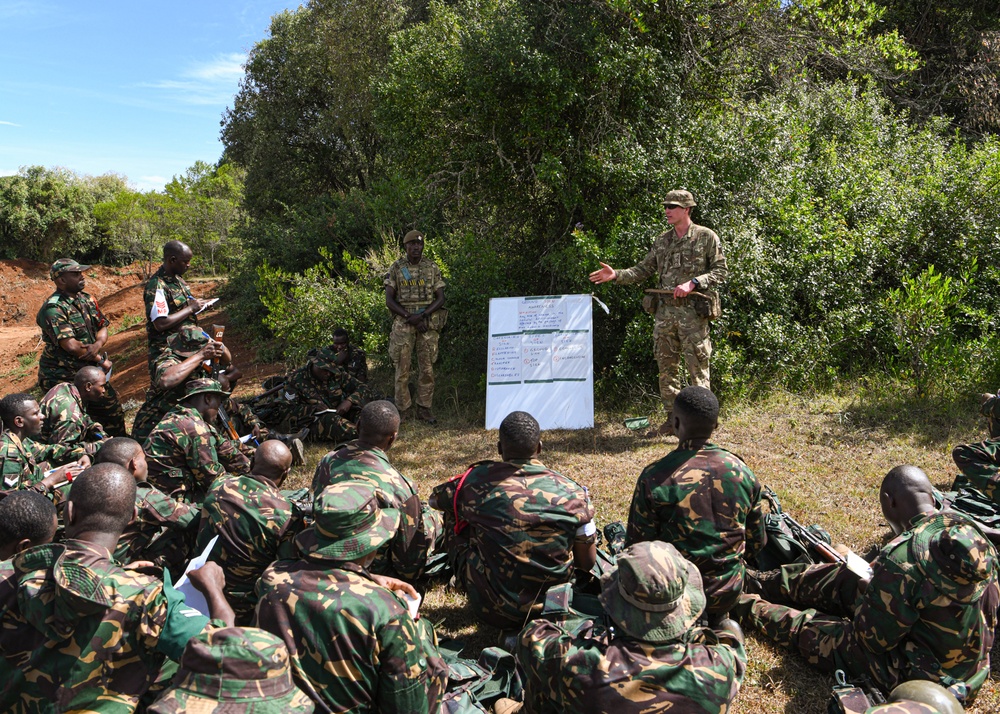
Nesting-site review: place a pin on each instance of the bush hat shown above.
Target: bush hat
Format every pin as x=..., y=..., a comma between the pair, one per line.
x=203, y=386
x=348, y=523
x=412, y=236
x=654, y=594
x=187, y=340
x=680, y=197
x=954, y=555
x=231, y=671
x=66, y=265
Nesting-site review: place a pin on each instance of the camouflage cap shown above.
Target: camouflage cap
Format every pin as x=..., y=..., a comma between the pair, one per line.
x=655, y=594
x=203, y=386
x=954, y=555
x=187, y=340
x=930, y=694
x=680, y=197
x=66, y=265
x=325, y=360
x=233, y=670
x=412, y=236
x=348, y=523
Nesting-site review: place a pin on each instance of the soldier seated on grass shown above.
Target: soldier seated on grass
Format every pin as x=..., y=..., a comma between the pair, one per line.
x=322, y=396
x=927, y=611
x=27, y=519
x=704, y=500
x=24, y=462
x=64, y=415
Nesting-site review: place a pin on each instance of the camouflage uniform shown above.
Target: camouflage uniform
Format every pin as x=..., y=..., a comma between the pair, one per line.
x=244, y=421
x=707, y=502
x=23, y=463
x=186, y=455
x=928, y=613
x=233, y=669
x=303, y=396
x=353, y=645
x=176, y=292
x=65, y=420
x=980, y=467
x=159, y=401
x=253, y=520
x=420, y=526
x=163, y=530
x=903, y=708
x=678, y=331
x=356, y=364
x=13, y=629
x=65, y=316
x=415, y=286
x=97, y=635
x=522, y=521
x=576, y=664
x=991, y=410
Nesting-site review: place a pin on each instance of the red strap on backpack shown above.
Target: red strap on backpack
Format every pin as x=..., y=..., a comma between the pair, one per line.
x=460, y=525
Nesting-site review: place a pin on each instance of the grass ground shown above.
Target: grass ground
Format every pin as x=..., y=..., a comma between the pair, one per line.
x=825, y=455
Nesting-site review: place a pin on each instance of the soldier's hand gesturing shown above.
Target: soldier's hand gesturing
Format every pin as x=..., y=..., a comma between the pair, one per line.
x=603, y=275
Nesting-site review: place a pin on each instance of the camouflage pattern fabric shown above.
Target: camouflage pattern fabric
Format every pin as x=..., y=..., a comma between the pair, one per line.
x=159, y=401
x=707, y=503
x=420, y=527
x=253, y=520
x=980, y=467
x=23, y=463
x=415, y=287
x=177, y=292
x=304, y=397
x=522, y=522
x=65, y=420
x=903, y=708
x=991, y=410
x=678, y=331
x=929, y=611
x=244, y=422
x=13, y=629
x=163, y=530
x=185, y=455
x=577, y=665
x=98, y=635
x=356, y=364
x=353, y=645
x=62, y=317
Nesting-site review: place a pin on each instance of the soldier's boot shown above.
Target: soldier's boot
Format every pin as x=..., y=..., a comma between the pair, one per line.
x=507, y=706
x=406, y=415
x=424, y=414
x=665, y=429
x=298, y=450
x=766, y=583
x=295, y=444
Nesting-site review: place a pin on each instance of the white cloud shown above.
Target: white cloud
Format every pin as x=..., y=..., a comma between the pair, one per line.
x=150, y=183
x=8, y=123
x=213, y=82
x=13, y=9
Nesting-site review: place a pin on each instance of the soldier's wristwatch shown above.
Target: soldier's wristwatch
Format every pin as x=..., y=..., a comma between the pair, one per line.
x=696, y=283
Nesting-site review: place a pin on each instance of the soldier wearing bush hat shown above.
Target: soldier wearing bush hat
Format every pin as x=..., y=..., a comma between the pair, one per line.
x=414, y=294
x=233, y=670
x=74, y=331
x=322, y=398
x=653, y=600
x=689, y=266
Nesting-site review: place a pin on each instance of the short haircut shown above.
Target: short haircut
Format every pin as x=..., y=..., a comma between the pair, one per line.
x=103, y=498
x=174, y=248
x=87, y=374
x=378, y=420
x=14, y=405
x=699, y=407
x=341, y=332
x=25, y=514
x=519, y=435
x=906, y=478
x=117, y=450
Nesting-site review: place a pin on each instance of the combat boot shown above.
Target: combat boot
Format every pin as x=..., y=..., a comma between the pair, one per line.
x=424, y=414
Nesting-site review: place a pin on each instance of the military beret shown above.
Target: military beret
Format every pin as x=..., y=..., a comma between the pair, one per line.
x=412, y=236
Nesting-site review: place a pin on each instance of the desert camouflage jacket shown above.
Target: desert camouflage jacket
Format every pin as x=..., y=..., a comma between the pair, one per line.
x=676, y=260
x=415, y=285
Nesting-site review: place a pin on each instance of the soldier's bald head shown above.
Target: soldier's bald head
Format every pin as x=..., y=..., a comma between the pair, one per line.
x=520, y=436
x=272, y=460
x=906, y=492
x=102, y=499
x=175, y=248
x=378, y=422
x=88, y=374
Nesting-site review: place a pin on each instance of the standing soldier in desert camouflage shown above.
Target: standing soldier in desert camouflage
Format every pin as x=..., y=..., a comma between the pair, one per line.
x=64, y=417
x=74, y=331
x=685, y=259
x=414, y=294
x=168, y=299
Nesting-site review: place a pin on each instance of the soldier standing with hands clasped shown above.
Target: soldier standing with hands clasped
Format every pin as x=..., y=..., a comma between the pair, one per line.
x=689, y=263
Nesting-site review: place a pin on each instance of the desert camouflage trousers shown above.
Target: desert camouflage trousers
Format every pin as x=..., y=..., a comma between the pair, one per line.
x=403, y=341
x=107, y=410
x=679, y=332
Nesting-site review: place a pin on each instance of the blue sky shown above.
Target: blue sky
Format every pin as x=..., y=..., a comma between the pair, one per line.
x=135, y=88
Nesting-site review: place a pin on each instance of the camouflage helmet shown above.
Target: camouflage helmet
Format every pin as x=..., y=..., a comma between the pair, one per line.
x=929, y=693
x=348, y=523
x=680, y=197
x=954, y=554
x=654, y=594
x=231, y=671
x=907, y=707
x=412, y=236
x=203, y=386
x=187, y=340
x=66, y=265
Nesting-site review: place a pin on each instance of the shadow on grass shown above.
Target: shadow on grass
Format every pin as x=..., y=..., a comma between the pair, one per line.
x=935, y=420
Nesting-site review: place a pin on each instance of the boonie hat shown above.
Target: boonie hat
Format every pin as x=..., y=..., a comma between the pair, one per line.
x=680, y=197
x=655, y=594
x=203, y=386
x=412, y=236
x=954, y=555
x=187, y=340
x=66, y=265
x=347, y=522
x=231, y=671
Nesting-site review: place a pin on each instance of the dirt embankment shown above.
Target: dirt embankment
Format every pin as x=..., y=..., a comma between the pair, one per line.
x=25, y=285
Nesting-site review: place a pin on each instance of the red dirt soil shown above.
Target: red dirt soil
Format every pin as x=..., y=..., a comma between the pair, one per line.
x=24, y=286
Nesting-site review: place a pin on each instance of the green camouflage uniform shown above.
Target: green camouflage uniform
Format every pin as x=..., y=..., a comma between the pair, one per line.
x=679, y=332
x=186, y=455
x=13, y=629
x=708, y=504
x=65, y=420
x=96, y=635
x=991, y=410
x=23, y=463
x=233, y=669
x=356, y=364
x=163, y=530
x=253, y=520
x=244, y=421
x=176, y=292
x=78, y=317
x=928, y=613
x=420, y=526
x=523, y=520
x=980, y=467
x=159, y=401
x=303, y=396
x=415, y=287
